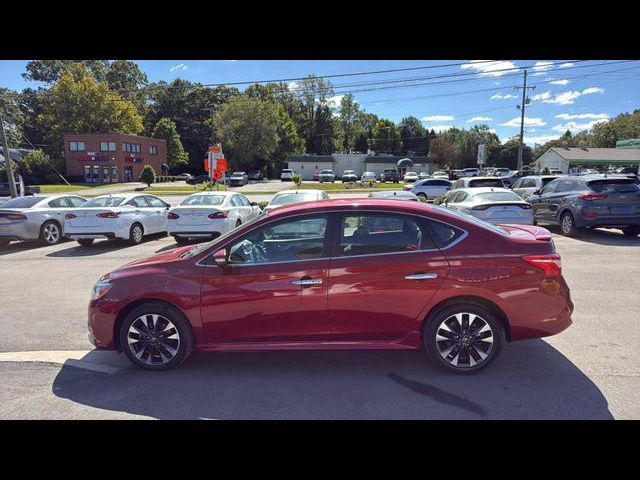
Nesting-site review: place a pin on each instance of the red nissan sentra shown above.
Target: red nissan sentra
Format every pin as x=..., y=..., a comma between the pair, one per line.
x=339, y=274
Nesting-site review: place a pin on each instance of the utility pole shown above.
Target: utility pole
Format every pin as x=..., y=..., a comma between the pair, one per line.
x=7, y=161
x=525, y=102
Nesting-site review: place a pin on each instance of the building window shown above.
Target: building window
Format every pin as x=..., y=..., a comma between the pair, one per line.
x=131, y=147
x=107, y=146
x=76, y=147
x=153, y=150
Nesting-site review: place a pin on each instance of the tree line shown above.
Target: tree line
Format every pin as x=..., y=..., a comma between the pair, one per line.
x=258, y=127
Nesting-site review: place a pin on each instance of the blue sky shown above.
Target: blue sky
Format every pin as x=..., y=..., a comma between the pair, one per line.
x=568, y=95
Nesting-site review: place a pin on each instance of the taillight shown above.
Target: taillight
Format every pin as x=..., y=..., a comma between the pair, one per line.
x=592, y=196
x=218, y=215
x=70, y=215
x=15, y=216
x=550, y=264
x=108, y=215
x=173, y=216
x=525, y=206
x=480, y=207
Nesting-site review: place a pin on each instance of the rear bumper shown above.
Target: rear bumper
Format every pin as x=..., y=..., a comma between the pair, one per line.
x=19, y=231
x=196, y=234
x=215, y=227
x=607, y=221
x=94, y=235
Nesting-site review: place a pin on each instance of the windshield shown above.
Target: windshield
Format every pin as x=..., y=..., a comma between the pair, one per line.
x=472, y=219
x=203, y=246
x=104, y=202
x=286, y=170
x=326, y=171
x=237, y=174
x=349, y=172
x=286, y=198
x=497, y=197
x=486, y=183
x=22, y=202
x=204, y=200
x=613, y=186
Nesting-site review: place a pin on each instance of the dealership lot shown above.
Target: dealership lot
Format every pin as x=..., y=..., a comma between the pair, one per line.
x=592, y=370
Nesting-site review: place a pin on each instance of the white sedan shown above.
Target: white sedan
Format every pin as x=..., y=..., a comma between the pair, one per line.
x=209, y=215
x=125, y=216
x=411, y=177
x=494, y=205
x=287, y=197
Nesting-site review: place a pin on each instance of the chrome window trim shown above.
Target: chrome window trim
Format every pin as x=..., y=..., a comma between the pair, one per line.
x=464, y=235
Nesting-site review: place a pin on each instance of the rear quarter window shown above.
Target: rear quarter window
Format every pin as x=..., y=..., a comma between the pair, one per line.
x=486, y=183
x=614, y=186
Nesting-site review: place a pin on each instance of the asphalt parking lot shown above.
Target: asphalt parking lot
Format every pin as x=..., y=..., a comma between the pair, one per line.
x=47, y=369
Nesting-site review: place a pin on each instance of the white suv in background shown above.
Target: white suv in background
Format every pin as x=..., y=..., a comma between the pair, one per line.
x=286, y=175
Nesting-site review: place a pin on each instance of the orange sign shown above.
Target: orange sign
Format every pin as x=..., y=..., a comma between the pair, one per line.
x=206, y=165
x=215, y=149
x=222, y=164
x=217, y=174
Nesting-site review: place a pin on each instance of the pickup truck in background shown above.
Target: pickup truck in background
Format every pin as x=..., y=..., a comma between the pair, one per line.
x=390, y=175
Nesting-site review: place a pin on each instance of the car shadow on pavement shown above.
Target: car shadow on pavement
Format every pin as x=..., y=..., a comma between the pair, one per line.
x=610, y=237
x=531, y=380
x=17, y=247
x=100, y=247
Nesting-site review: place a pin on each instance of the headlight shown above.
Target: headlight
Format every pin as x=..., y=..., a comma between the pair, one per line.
x=101, y=288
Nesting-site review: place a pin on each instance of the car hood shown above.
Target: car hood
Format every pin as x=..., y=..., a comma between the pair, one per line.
x=167, y=256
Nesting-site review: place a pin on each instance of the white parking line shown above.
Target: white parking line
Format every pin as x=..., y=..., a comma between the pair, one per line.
x=95, y=360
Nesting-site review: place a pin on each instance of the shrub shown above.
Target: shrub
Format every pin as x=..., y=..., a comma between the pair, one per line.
x=262, y=205
x=545, y=171
x=148, y=175
x=297, y=179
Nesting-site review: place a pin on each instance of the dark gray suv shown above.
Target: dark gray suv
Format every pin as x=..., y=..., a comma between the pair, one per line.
x=588, y=202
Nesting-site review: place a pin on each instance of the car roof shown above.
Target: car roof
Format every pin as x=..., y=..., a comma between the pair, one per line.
x=469, y=179
x=298, y=191
x=126, y=196
x=477, y=190
x=224, y=194
x=341, y=204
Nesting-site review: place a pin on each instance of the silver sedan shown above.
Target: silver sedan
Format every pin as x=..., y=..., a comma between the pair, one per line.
x=430, y=189
x=36, y=218
x=494, y=205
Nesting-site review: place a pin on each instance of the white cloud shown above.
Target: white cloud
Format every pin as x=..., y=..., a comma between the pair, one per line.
x=559, y=82
x=479, y=119
x=575, y=126
x=590, y=90
x=293, y=85
x=566, y=65
x=334, y=102
x=591, y=116
x=528, y=122
x=489, y=68
x=540, y=68
x=499, y=96
x=230, y=61
x=438, y=118
x=440, y=128
x=541, y=96
x=180, y=66
x=565, y=98
x=539, y=139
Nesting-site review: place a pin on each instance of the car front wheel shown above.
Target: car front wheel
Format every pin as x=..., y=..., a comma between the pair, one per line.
x=462, y=338
x=156, y=336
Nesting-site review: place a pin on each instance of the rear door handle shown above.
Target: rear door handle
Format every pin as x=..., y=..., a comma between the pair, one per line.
x=421, y=276
x=306, y=282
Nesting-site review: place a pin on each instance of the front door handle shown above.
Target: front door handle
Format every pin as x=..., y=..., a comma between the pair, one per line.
x=421, y=276
x=307, y=282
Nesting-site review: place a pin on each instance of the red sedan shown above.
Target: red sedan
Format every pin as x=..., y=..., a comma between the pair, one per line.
x=339, y=274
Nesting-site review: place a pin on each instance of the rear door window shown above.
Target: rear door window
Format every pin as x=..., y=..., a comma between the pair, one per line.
x=58, y=203
x=614, y=186
x=155, y=202
x=138, y=202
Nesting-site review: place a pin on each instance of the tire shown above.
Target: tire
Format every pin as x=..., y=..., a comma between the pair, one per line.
x=470, y=355
x=156, y=351
x=181, y=240
x=85, y=242
x=631, y=231
x=4, y=243
x=50, y=233
x=422, y=196
x=568, y=225
x=136, y=234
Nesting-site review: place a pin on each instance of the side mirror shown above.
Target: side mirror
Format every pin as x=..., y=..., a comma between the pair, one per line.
x=254, y=204
x=537, y=192
x=220, y=257
x=168, y=206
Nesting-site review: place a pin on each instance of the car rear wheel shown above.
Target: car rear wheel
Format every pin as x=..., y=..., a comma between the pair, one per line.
x=462, y=338
x=422, y=196
x=50, y=233
x=135, y=234
x=156, y=336
x=568, y=224
x=85, y=242
x=631, y=231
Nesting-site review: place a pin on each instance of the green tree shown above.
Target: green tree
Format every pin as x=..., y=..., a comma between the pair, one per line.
x=314, y=92
x=148, y=175
x=12, y=116
x=414, y=136
x=176, y=156
x=386, y=137
x=445, y=153
x=35, y=167
x=49, y=71
x=349, y=128
x=289, y=142
x=77, y=103
x=248, y=131
x=322, y=135
x=127, y=80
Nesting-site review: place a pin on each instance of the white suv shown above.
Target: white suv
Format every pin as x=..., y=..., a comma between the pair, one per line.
x=286, y=175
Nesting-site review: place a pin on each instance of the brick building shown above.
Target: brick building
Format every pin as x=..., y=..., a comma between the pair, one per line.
x=112, y=157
